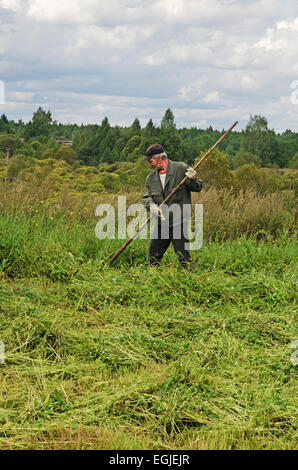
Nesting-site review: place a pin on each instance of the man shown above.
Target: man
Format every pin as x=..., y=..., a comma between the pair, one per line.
x=173, y=219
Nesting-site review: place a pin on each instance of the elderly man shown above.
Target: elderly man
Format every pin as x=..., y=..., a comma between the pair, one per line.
x=173, y=219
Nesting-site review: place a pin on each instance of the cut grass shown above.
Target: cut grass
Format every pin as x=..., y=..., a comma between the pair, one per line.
x=134, y=357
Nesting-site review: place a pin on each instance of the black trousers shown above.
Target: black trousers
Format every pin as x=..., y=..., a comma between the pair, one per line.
x=162, y=238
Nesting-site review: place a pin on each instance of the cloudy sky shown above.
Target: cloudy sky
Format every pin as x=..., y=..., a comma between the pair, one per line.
x=211, y=61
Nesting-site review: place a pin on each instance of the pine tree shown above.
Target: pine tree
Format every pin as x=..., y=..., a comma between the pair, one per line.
x=40, y=126
x=136, y=127
x=167, y=121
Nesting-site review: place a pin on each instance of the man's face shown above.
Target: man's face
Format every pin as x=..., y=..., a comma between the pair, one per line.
x=156, y=162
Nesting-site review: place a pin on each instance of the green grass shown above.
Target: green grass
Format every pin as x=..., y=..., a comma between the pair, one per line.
x=134, y=357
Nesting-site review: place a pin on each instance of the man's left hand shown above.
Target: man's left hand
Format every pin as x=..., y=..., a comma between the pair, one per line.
x=191, y=173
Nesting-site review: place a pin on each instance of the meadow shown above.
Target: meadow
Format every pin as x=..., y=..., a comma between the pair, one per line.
x=137, y=357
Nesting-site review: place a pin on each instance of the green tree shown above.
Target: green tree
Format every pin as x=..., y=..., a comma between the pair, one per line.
x=9, y=142
x=172, y=144
x=4, y=119
x=294, y=162
x=106, y=148
x=86, y=145
x=136, y=127
x=287, y=147
x=169, y=137
x=5, y=126
x=105, y=127
x=215, y=171
x=259, y=140
x=150, y=130
x=167, y=121
x=138, y=173
x=132, y=144
x=40, y=127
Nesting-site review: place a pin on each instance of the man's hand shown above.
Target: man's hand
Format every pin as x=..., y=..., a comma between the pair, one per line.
x=154, y=210
x=191, y=173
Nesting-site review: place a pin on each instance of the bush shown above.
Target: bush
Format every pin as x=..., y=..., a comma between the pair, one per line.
x=16, y=164
x=294, y=162
x=244, y=158
x=109, y=180
x=259, y=179
x=67, y=154
x=215, y=171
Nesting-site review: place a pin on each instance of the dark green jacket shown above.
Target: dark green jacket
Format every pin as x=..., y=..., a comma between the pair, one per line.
x=175, y=173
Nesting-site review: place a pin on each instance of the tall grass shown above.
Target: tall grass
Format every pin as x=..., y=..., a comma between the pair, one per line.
x=227, y=214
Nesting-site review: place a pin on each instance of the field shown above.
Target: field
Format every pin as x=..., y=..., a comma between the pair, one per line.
x=135, y=357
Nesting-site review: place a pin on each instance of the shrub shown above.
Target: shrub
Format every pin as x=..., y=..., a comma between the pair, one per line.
x=244, y=158
x=215, y=171
x=259, y=179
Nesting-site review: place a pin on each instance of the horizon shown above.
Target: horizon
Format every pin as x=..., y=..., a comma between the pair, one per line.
x=156, y=124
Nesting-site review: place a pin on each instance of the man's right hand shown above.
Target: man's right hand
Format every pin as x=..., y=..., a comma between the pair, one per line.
x=155, y=211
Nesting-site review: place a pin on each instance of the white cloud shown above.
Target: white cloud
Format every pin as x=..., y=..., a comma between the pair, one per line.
x=63, y=11
x=20, y=96
x=193, y=90
x=282, y=39
x=212, y=97
x=288, y=24
x=14, y=5
x=218, y=59
x=271, y=42
x=99, y=12
x=247, y=82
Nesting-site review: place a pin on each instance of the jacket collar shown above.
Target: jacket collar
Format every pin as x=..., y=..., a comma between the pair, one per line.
x=170, y=172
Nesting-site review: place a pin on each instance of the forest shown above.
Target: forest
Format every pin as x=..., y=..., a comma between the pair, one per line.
x=101, y=157
x=103, y=143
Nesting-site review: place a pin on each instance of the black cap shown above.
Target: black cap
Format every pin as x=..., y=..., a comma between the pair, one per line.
x=154, y=149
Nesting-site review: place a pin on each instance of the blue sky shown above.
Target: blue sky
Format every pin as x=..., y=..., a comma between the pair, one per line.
x=211, y=61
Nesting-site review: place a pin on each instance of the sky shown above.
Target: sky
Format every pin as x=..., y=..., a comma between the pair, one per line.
x=211, y=61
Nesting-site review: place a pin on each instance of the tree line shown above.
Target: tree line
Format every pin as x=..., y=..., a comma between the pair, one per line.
x=96, y=144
